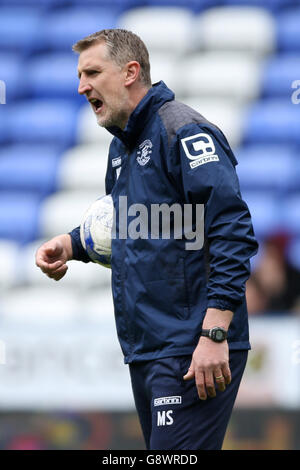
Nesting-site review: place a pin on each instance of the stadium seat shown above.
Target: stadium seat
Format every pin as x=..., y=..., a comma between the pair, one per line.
x=162, y=29
x=80, y=276
x=19, y=28
x=9, y=255
x=194, y=5
x=273, y=5
x=268, y=167
x=98, y=306
x=88, y=131
x=223, y=74
x=11, y=73
x=224, y=113
x=43, y=121
x=83, y=167
x=265, y=209
x=3, y=123
x=279, y=72
x=49, y=305
x=19, y=216
x=166, y=70
x=116, y=5
x=288, y=31
x=38, y=4
x=29, y=167
x=63, y=211
x=235, y=29
x=290, y=214
x=273, y=122
x=53, y=75
x=63, y=28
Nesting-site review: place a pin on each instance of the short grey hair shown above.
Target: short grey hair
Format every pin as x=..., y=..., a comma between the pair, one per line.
x=123, y=46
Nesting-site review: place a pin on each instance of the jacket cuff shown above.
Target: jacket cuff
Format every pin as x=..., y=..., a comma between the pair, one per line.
x=79, y=252
x=222, y=304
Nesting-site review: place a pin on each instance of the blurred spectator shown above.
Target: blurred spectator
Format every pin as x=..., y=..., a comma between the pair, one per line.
x=274, y=286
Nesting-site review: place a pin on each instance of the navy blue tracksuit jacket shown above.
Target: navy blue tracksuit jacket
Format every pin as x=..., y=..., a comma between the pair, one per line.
x=169, y=153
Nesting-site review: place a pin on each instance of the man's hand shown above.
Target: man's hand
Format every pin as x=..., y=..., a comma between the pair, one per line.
x=53, y=255
x=210, y=360
x=210, y=365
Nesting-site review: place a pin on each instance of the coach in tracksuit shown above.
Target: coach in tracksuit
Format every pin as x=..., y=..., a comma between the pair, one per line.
x=180, y=308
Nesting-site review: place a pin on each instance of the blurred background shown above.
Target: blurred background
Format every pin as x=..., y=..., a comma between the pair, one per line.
x=63, y=384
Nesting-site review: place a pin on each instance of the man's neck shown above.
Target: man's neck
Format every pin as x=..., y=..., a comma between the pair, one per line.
x=136, y=96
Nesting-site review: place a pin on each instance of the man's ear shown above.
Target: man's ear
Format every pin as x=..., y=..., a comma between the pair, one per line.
x=132, y=71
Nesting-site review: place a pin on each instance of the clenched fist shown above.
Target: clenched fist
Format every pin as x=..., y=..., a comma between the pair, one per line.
x=53, y=255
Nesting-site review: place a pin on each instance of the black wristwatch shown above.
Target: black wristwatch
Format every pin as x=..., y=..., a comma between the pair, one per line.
x=216, y=333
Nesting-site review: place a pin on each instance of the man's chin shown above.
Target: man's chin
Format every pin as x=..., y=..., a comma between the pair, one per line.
x=102, y=122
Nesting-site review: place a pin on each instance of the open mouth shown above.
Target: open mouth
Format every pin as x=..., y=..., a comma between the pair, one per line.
x=96, y=104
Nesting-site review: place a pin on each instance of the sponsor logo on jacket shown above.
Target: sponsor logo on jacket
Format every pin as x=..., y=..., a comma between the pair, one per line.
x=199, y=148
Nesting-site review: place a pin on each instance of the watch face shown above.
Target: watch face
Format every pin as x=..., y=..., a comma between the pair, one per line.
x=219, y=335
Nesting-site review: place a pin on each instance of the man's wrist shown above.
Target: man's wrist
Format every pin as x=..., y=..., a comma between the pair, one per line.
x=66, y=241
x=215, y=317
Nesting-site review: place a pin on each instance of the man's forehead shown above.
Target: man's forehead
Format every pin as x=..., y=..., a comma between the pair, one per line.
x=93, y=56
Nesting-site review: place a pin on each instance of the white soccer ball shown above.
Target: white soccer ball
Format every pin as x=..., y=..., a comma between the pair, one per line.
x=96, y=230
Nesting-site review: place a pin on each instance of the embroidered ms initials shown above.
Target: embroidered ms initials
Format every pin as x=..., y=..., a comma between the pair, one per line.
x=164, y=418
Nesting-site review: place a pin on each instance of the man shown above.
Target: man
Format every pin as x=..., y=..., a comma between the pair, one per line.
x=178, y=311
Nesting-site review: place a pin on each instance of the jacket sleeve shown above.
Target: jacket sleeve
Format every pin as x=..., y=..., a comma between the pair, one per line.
x=201, y=157
x=79, y=252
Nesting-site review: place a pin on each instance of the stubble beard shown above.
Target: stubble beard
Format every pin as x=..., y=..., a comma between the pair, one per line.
x=117, y=115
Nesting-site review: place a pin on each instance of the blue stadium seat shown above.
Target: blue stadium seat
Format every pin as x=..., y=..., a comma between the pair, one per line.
x=19, y=28
x=63, y=28
x=195, y=5
x=270, y=4
x=39, y=4
x=273, y=122
x=279, y=73
x=43, y=121
x=29, y=167
x=3, y=127
x=288, y=31
x=265, y=210
x=290, y=214
x=19, y=216
x=11, y=72
x=268, y=168
x=53, y=75
x=116, y=5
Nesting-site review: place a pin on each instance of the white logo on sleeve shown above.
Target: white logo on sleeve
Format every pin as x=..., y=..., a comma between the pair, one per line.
x=199, y=148
x=116, y=163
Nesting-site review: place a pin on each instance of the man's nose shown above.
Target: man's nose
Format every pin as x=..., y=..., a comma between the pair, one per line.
x=83, y=87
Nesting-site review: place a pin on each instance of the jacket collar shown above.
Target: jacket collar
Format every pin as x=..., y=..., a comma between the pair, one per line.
x=158, y=94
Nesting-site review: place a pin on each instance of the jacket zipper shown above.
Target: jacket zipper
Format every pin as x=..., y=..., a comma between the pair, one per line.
x=123, y=276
